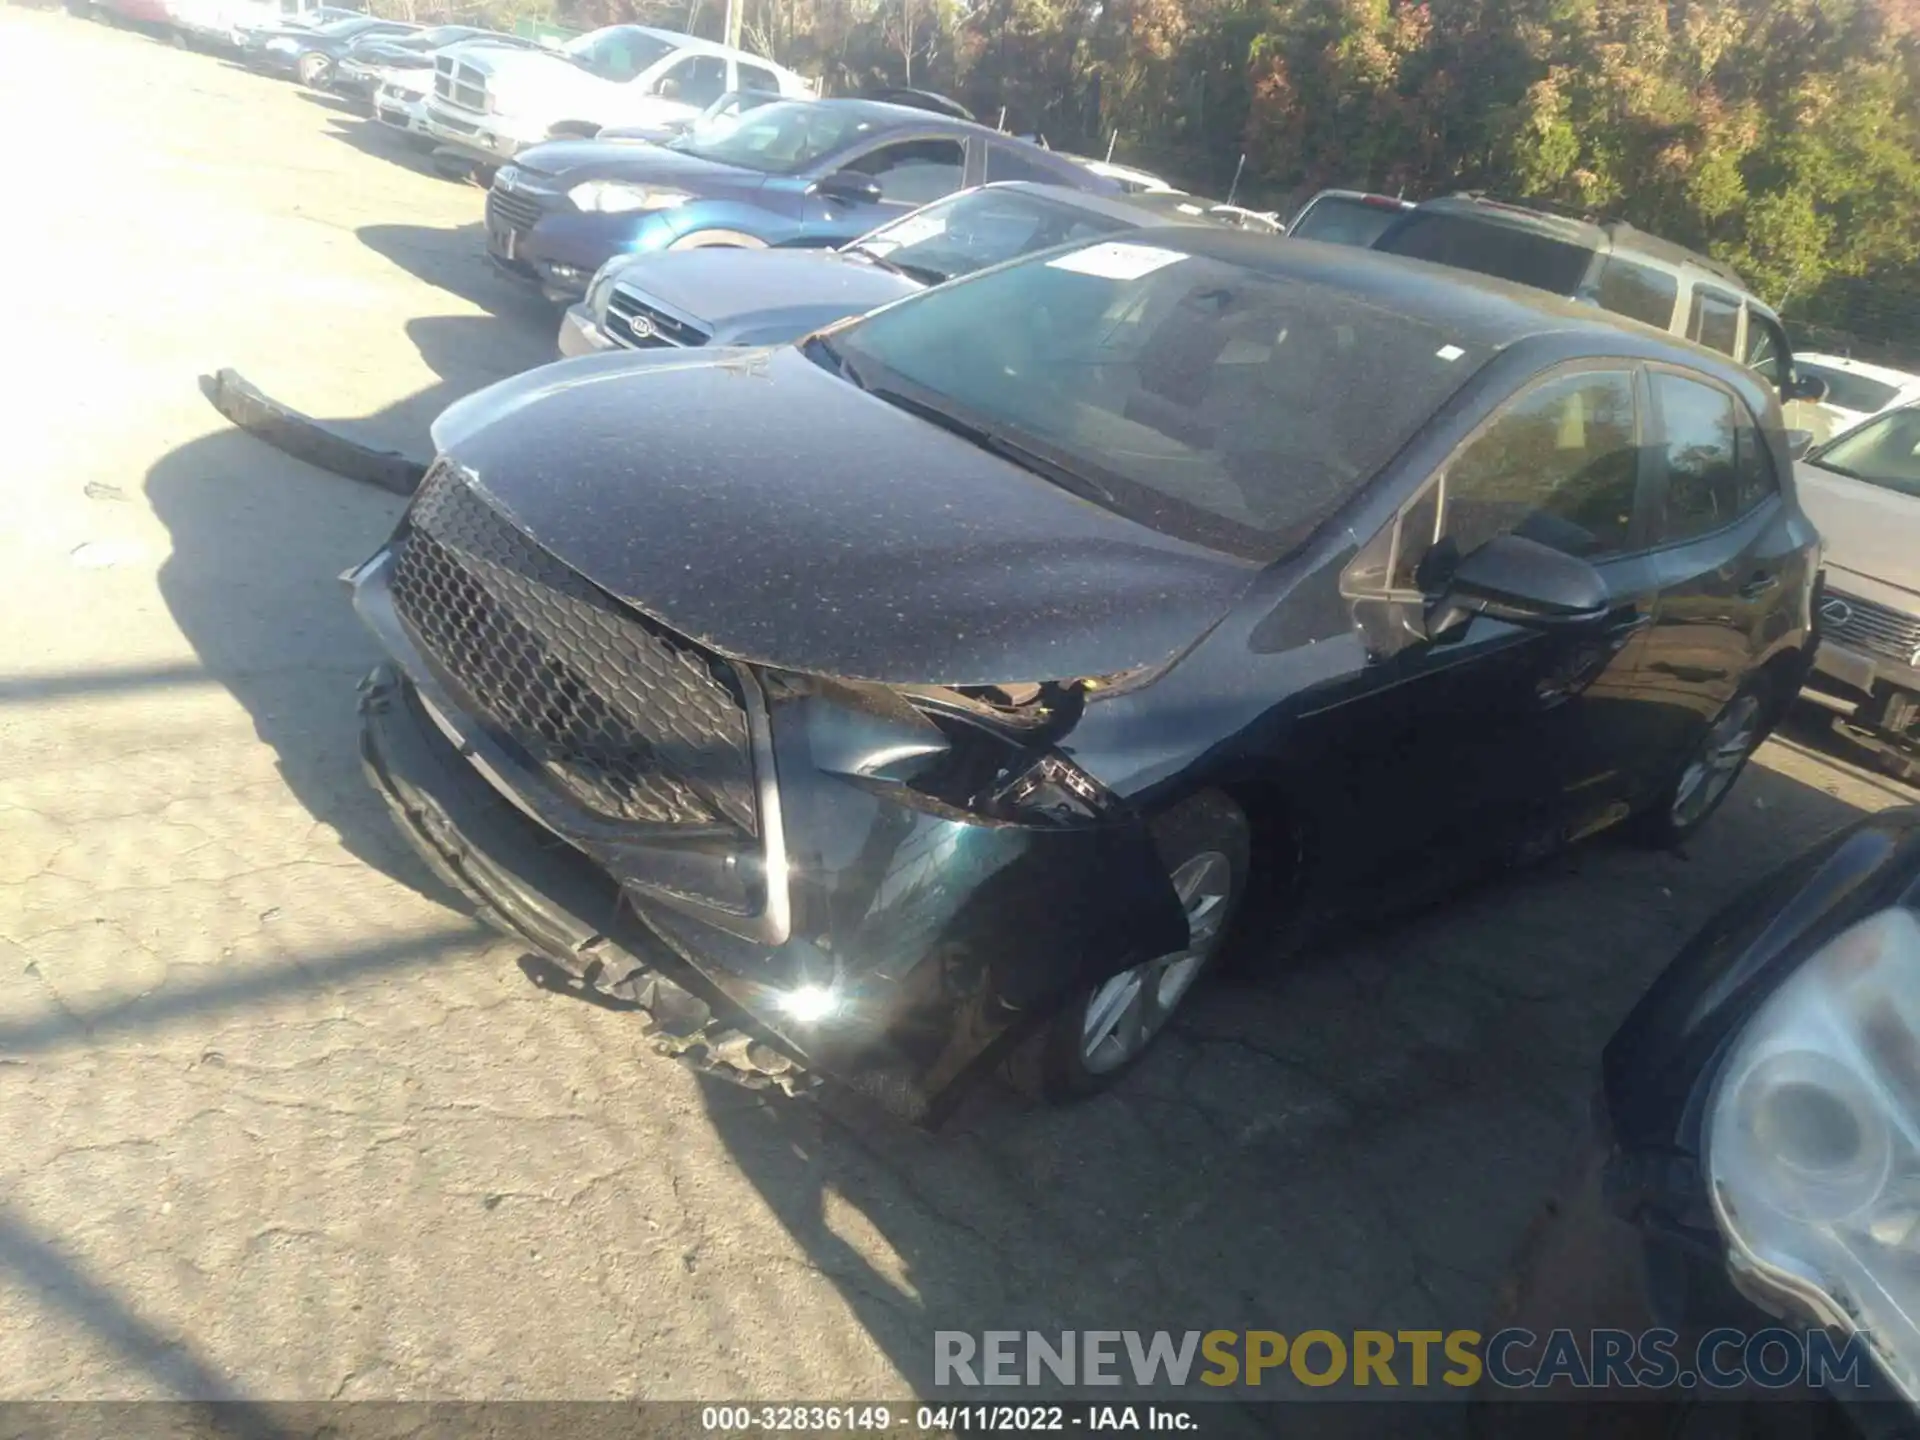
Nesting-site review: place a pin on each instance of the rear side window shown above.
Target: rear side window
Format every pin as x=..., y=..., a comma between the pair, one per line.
x=1509, y=252
x=1340, y=220
x=1559, y=466
x=1640, y=292
x=1714, y=320
x=1849, y=391
x=1767, y=351
x=1006, y=163
x=1697, y=454
x=1755, y=480
x=752, y=77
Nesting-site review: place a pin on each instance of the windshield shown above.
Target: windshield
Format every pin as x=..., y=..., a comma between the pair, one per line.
x=1505, y=251
x=971, y=231
x=618, y=53
x=1883, y=452
x=1339, y=220
x=1213, y=402
x=779, y=139
x=1848, y=390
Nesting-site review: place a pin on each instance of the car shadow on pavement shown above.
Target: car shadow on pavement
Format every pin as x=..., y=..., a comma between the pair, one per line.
x=1358, y=1136
x=456, y=260
x=383, y=142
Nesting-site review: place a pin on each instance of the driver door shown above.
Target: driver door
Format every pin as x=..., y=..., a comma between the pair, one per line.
x=1491, y=737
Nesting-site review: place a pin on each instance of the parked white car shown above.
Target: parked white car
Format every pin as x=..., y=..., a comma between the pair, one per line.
x=1855, y=390
x=226, y=22
x=492, y=103
x=400, y=100
x=1862, y=491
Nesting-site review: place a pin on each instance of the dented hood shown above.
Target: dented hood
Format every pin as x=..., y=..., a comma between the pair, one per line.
x=777, y=514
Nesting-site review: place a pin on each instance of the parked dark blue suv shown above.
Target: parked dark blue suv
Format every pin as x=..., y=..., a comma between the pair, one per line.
x=795, y=173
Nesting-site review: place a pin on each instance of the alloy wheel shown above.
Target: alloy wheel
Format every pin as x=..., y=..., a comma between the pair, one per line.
x=1127, y=1011
x=1728, y=742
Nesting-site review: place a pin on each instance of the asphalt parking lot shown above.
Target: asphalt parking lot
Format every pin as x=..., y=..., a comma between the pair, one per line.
x=284, y=1124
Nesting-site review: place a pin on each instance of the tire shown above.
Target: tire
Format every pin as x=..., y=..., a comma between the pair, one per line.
x=1205, y=842
x=313, y=70
x=1741, y=725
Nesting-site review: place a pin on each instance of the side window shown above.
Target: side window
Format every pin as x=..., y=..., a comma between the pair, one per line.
x=1714, y=320
x=1697, y=455
x=753, y=77
x=1559, y=466
x=1754, y=477
x=915, y=172
x=1767, y=350
x=1006, y=163
x=697, y=80
x=1640, y=292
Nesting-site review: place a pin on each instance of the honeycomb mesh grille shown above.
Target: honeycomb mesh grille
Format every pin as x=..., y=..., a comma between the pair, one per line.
x=633, y=723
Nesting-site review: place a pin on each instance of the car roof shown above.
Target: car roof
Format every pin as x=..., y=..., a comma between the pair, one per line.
x=1883, y=373
x=1489, y=312
x=886, y=112
x=1615, y=235
x=1372, y=197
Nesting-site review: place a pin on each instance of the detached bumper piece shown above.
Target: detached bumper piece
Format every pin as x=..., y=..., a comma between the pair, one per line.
x=534, y=888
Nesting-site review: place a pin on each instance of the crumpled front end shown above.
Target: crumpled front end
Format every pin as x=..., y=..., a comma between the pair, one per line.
x=878, y=887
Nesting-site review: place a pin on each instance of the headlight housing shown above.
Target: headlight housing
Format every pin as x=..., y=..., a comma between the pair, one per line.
x=1813, y=1142
x=616, y=197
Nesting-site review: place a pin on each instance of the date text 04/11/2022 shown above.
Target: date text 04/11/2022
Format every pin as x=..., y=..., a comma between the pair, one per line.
x=944, y=1419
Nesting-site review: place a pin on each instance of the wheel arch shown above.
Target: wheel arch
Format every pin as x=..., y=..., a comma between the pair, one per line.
x=714, y=239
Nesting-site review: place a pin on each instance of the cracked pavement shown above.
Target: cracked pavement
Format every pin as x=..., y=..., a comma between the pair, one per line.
x=285, y=1124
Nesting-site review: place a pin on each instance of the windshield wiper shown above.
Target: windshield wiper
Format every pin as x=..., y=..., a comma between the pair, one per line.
x=995, y=443
x=829, y=356
x=923, y=274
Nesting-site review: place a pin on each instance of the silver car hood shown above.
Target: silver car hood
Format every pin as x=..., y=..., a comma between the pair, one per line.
x=752, y=294
x=1868, y=531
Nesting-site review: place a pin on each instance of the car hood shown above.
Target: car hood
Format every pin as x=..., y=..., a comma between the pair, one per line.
x=773, y=512
x=577, y=160
x=1867, y=530
x=742, y=292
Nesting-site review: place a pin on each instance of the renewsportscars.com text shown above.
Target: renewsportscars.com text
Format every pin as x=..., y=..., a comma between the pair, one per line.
x=1515, y=1359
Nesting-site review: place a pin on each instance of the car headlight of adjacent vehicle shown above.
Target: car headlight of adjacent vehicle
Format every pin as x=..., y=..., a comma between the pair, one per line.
x=600, y=288
x=1813, y=1142
x=614, y=197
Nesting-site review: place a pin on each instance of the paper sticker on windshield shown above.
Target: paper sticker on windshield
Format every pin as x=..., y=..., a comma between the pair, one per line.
x=1117, y=260
x=912, y=231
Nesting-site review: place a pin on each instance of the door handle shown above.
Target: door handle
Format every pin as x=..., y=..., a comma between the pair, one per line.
x=1759, y=585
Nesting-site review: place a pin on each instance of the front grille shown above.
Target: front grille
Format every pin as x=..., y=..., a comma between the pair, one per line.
x=630, y=720
x=508, y=211
x=460, y=85
x=1875, y=628
x=634, y=322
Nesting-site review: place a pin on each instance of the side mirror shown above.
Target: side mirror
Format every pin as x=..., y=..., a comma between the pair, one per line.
x=1810, y=388
x=1799, y=442
x=849, y=187
x=1513, y=578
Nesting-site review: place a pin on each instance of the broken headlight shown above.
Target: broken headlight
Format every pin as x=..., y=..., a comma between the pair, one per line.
x=987, y=750
x=1813, y=1148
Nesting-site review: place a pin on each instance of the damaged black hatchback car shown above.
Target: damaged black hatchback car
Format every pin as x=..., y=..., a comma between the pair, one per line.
x=870, y=706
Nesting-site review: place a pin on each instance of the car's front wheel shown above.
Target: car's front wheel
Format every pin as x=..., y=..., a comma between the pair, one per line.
x=314, y=69
x=1704, y=780
x=1104, y=1028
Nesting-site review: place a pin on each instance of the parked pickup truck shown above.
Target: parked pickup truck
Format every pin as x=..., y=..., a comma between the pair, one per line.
x=229, y=22
x=491, y=103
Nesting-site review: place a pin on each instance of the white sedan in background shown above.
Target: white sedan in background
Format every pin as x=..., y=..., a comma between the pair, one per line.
x=1855, y=390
